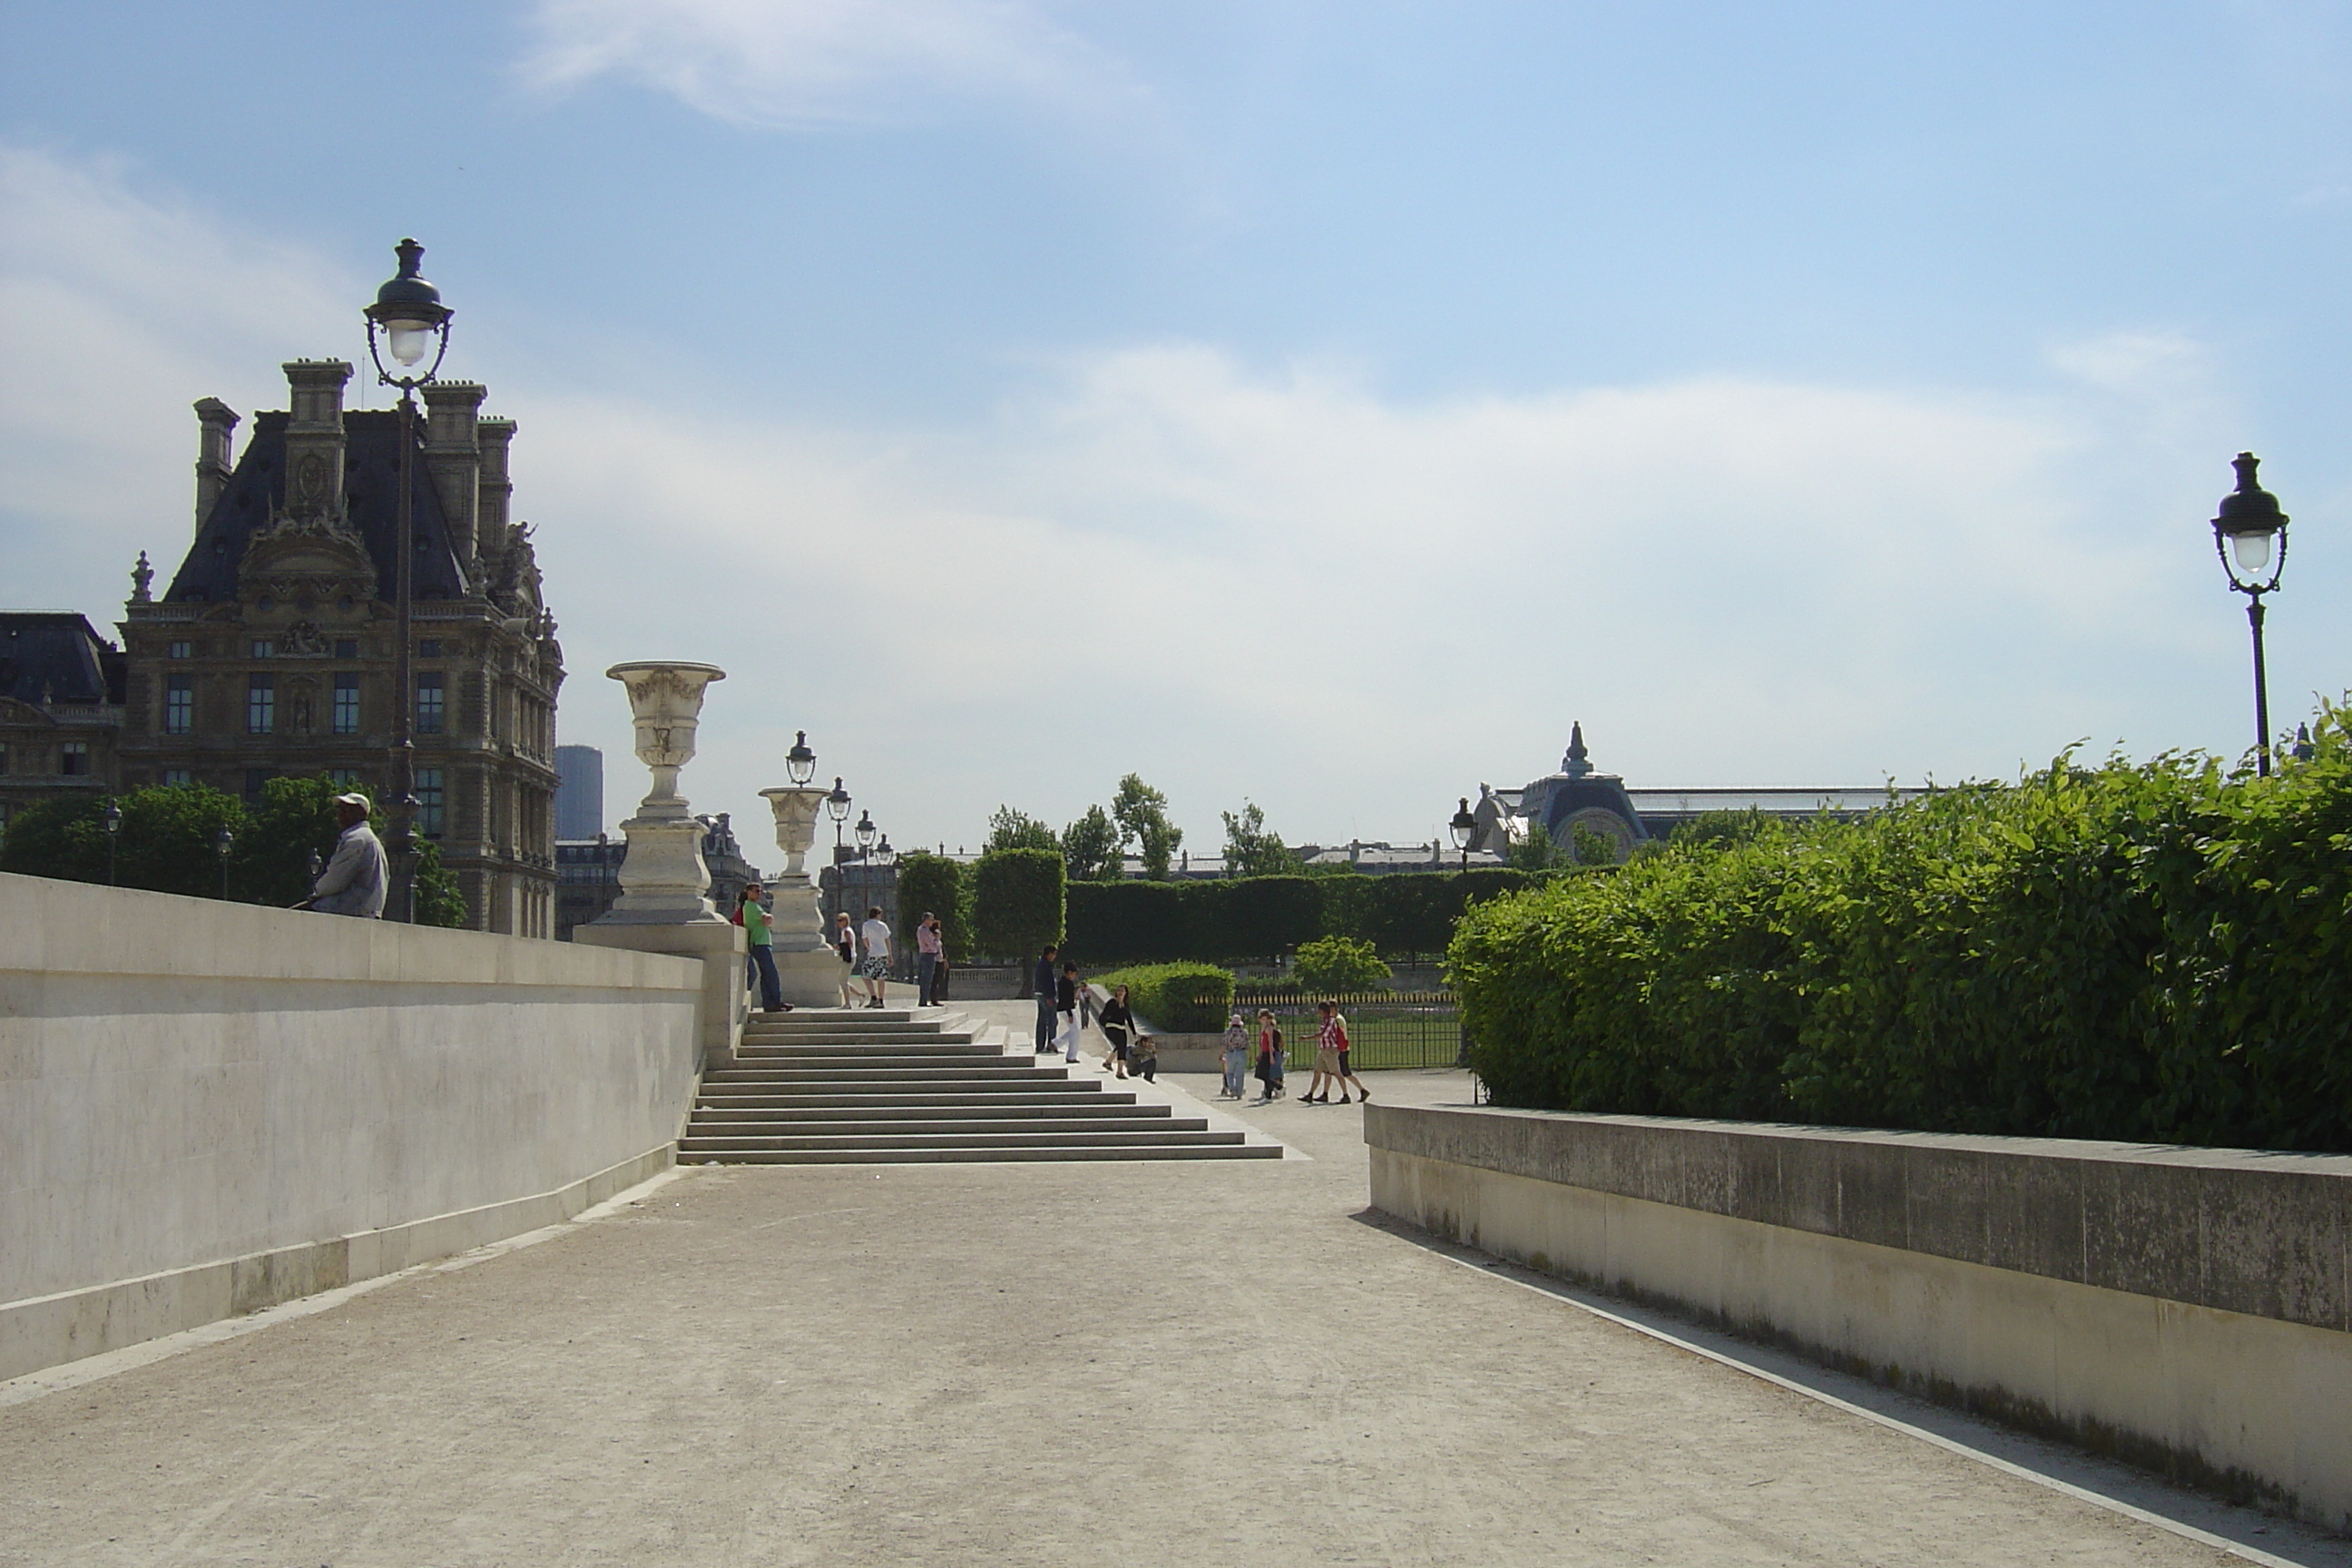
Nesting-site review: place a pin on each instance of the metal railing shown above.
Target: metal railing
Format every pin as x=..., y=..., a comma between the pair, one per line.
x=1386, y=1029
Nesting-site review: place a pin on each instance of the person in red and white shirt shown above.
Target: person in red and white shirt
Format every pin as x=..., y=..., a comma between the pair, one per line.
x=1331, y=1059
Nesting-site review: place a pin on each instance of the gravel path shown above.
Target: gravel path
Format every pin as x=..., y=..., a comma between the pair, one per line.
x=1212, y=1364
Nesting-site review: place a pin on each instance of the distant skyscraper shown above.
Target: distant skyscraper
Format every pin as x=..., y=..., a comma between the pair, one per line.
x=579, y=792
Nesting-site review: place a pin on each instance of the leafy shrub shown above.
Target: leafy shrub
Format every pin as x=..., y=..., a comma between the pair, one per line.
x=1017, y=901
x=2160, y=951
x=936, y=883
x=1334, y=964
x=1181, y=998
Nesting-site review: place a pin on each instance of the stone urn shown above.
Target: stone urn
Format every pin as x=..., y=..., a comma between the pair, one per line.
x=663, y=878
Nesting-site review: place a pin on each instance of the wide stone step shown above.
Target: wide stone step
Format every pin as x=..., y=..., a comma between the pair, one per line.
x=974, y=1101
x=855, y=1044
x=1023, y=1155
x=819, y=1108
x=854, y=1017
x=977, y=1077
x=825, y=1125
x=881, y=1056
x=1026, y=1138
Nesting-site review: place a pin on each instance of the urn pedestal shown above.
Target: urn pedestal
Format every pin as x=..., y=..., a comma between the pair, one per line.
x=811, y=971
x=665, y=904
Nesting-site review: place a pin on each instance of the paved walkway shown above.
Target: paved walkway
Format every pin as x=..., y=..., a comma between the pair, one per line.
x=1215, y=1363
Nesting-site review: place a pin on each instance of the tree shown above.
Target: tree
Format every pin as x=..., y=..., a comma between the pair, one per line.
x=936, y=883
x=1141, y=813
x=1339, y=964
x=1537, y=852
x=1090, y=848
x=1018, y=902
x=168, y=839
x=1251, y=850
x=1010, y=829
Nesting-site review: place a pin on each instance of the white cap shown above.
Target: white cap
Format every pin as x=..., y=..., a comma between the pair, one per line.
x=355, y=799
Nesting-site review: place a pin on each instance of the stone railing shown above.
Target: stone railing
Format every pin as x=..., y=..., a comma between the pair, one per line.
x=2189, y=1309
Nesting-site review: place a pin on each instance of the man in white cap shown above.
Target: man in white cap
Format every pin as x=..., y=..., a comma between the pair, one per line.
x=354, y=880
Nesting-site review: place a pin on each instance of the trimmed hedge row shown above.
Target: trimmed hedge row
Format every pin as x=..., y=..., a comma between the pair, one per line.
x=1180, y=998
x=2146, y=952
x=1245, y=918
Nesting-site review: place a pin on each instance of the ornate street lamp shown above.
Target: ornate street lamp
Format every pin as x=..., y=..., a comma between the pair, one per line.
x=1464, y=828
x=836, y=805
x=2249, y=535
x=407, y=322
x=883, y=854
x=223, y=842
x=864, y=832
x=113, y=814
x=800, y=762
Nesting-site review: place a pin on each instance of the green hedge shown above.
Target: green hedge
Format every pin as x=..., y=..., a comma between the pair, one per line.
x=2150, y=952
x=1181, y=998
x=1260, y=918
x=1016, y=902
x=936, y=883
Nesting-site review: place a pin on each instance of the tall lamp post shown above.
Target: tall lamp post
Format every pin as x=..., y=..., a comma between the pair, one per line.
x=1464, y=827
x=406, y=322
x=223, y=842
x=113, y=831
x=864, y=833
x=836, y=806
x=2249, y=535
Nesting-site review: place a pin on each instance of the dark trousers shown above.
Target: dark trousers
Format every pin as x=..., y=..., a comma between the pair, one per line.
x=926, y=965
x=762, y=963
x=1047, y=1020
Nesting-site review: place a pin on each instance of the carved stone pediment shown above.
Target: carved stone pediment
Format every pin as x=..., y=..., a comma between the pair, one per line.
x=298, y=557
x=15, y=712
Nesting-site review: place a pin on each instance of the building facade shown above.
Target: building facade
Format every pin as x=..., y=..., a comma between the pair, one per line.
x=271, y=651
x=579, y=793
x=61, y=688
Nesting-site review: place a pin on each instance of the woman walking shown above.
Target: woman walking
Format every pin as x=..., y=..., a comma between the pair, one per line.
x=1269, y=1056
x=927, y=960
x=1065, y=1003
x=1331, y=1058
x=1237, y=1063
x=1117, y=1022
x=844, y=948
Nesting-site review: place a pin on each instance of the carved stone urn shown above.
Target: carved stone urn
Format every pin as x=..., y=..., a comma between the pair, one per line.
x=663, y=878
x=811, y=972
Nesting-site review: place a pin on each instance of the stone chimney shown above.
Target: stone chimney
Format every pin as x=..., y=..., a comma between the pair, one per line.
x=215, y=423
x=314, y=438
x=453, y=456
x=494, y=437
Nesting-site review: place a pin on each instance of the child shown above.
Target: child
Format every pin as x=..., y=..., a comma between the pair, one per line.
x=1269, y=1056
x=1236, y=1057
x=1144, y=1056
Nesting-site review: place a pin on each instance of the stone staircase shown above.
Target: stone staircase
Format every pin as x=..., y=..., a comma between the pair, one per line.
x=826, y=1087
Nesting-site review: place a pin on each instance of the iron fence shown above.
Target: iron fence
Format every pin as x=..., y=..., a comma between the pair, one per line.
x=1386, y=1029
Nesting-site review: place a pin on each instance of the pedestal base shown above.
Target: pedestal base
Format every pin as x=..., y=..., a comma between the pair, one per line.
x=812, y=979
x=720, y=946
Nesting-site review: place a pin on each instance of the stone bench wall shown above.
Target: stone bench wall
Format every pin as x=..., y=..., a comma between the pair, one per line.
x=2185, y=1309
x=206, y=1108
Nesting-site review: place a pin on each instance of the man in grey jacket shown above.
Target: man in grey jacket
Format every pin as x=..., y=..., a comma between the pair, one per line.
x=353, y=882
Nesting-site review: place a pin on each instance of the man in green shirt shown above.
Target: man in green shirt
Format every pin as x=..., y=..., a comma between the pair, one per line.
x=760, y=940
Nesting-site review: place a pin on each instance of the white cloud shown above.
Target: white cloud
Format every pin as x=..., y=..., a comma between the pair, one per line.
x=1240, y=581
x=807, y=62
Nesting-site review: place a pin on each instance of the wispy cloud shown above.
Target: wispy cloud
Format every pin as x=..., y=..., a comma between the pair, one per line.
x=818, y=62
x=1241, y=579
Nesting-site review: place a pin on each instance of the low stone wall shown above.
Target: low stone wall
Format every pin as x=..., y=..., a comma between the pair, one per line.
x=207, y=1108
x=2189, y=1309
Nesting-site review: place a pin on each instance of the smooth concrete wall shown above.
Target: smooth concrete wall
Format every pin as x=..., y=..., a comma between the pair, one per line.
x=2184, y=1308
x=206, y=1108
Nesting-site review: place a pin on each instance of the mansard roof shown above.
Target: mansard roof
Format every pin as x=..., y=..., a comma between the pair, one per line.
x=57, y=655
x=256, y=490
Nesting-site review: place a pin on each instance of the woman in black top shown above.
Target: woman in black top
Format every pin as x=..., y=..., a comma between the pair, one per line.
x=1118, y=1024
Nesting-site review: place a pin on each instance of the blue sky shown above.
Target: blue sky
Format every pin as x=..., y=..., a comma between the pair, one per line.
x=1321, y=404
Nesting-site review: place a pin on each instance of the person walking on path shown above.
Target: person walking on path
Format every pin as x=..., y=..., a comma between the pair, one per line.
x=927, y=959
x=354, y=882
x=1331, y=1059
x=1237, y=1063
x=1269, y=1056
x=876, y=936
x=759, y=948
x=1042, y=983
x=1065, y=1003
x=845, y=947
x=1118, y=1024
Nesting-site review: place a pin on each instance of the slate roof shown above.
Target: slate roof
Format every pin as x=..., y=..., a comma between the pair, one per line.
x=371, y=474
x=58, y=651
